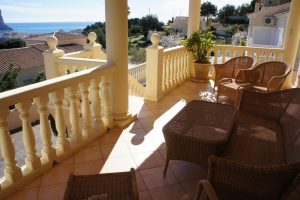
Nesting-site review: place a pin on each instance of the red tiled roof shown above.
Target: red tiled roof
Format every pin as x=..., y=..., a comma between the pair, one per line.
x=59, y=35
x=26, y=58
x=68, y=36
x=29, y=57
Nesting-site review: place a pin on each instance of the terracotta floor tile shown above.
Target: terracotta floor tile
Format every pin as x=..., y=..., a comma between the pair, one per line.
x=89, y=167
x=131, y=135
x=68, y=161
x=148, y=160
x=118, y=164
x=88, y=154
x=115, y=150
x=25, y=194
x=190, y=188
x=187, y=171
x=145, y=114
x=140, y=145
x=111, y=136
x=58, y=174
x=140, y=181
x=144, y=195
x=33, y=184
x=147, y=122
x=154, y=178
x=171, y=192
x=52, y=192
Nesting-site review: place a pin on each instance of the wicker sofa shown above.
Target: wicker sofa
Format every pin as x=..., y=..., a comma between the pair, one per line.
x=262, y=156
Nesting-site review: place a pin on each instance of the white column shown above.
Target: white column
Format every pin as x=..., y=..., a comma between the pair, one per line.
x=194, y=16
x=116, y=15
x=292, y=37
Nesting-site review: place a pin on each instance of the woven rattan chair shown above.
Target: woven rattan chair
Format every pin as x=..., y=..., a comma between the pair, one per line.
x=266, y=77
x=229, y=69
x=197, y=131
x=111, y=186
x=261, y=159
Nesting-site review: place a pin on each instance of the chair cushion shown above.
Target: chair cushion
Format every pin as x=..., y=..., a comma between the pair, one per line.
x=255, y=141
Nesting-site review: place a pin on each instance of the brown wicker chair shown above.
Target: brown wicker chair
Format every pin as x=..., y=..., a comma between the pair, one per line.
x=229, y=69
x=266, y=77
x=261, y=159
x=197, y=131
x=111, y=186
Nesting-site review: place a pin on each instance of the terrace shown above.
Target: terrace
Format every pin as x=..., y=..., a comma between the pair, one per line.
x=100, y=98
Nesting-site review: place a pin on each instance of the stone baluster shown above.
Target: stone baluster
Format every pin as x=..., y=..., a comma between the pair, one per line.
x=181, y=64
x=106, y=95
x=76, y=137
x=223, y=55
x=32, y=161
x=63, y=144
x=48, y=152
x=12, y=172
x=164, y=86
x=217, y=51
x=167, y=72
x=86, y=110
x=96, y=105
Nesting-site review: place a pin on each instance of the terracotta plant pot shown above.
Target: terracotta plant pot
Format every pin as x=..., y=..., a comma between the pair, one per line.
x=202, y=71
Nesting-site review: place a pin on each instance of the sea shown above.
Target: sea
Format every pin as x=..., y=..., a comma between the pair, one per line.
x=47, y=27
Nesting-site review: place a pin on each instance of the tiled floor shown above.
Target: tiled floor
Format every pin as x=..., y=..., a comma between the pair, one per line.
x=141, y=146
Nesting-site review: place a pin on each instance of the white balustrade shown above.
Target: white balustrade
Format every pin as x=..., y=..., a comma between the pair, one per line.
x=258, y=53
x=77, y=88
x=175, y=67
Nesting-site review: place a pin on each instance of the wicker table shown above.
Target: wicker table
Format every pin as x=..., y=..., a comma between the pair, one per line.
x=111, y=186
x=197, y=131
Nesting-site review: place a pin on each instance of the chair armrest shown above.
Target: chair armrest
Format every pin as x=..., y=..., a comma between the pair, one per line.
x=208, y=189
x=275, y=83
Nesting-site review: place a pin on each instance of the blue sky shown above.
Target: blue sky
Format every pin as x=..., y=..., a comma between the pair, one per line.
x=93, y=10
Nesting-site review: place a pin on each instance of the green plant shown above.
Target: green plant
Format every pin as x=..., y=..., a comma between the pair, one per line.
x=8, y=81
x=199, y=44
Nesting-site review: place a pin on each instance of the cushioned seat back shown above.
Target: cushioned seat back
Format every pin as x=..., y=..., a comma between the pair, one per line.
x=232, y=180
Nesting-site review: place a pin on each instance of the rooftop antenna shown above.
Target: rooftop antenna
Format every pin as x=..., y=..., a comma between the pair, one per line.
x=149, y=11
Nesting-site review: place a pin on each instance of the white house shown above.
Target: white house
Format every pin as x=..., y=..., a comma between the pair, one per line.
x=267, y=25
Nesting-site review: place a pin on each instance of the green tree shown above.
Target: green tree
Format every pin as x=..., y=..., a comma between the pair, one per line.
x=8, y=81
x=99, y=29
x=208, y=10
x=244, y=9
x=225, y=12
x=13, y=43
x=151, y=22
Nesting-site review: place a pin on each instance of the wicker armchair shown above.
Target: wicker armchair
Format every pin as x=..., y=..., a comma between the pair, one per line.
x=229, y=69
x=110, y=186
x=266, y=77
x=261, y=159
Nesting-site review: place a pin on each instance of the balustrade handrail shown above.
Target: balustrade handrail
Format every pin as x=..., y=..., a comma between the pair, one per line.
x=173, y=49
x=79, y=54
x=80, y=61
x=246, y=47
x=30, y=91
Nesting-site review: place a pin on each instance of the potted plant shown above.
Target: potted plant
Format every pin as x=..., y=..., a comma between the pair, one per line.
x=199, y=44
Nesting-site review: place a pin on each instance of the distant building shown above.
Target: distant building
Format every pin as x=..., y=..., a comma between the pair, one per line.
x=30, y=59
x=180, y=24
x=268, y=24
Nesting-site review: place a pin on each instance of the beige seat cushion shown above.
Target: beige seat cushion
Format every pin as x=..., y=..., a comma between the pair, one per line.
x=256, y=141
